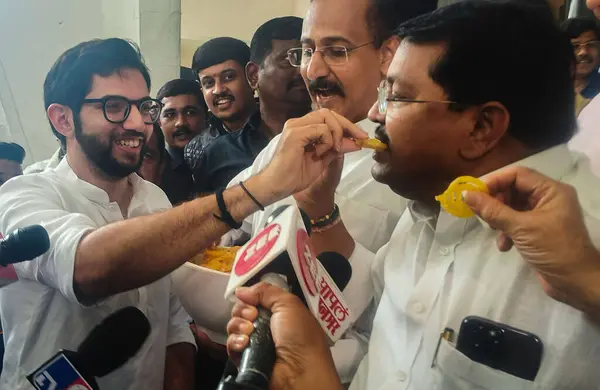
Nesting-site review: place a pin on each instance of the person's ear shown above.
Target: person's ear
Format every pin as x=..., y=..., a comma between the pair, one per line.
x=61, y=118
x=491, y=122
x=387, y=52
x=252, y=70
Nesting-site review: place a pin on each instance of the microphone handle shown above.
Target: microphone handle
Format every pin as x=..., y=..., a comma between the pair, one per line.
x=259, y=357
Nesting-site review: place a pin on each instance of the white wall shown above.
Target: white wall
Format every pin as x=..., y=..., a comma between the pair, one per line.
x=202, y=20
x=33, y=33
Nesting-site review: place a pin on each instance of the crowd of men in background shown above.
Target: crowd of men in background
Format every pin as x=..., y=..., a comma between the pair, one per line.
x=224, y=127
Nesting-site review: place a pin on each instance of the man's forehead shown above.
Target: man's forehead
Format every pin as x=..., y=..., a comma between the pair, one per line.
x=283, y=45
x=180, y=101
x=216, y=70
x=127, y=82
x=586, y=36
x=327, y=19
x=412, y=62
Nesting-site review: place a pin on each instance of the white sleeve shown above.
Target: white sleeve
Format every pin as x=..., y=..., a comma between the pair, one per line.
x=29, y=200
x=179, y=322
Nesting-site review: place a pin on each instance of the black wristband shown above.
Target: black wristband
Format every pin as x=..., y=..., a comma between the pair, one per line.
x=225, y=216
x=260, y=206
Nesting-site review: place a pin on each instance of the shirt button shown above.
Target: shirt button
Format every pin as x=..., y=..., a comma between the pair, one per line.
x=445, y=251
x=418, y=308
x=402, y=376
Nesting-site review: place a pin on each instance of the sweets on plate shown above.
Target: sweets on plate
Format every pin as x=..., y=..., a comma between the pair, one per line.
x=217, y=258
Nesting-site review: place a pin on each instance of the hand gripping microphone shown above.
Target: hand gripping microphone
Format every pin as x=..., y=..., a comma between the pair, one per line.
x=108, y=347
x=286, y=262
x=24, y=244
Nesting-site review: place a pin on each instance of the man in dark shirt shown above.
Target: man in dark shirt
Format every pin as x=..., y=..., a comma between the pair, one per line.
x=220, y=66
x=182, y=118
x=585, y=38
x=282, y=95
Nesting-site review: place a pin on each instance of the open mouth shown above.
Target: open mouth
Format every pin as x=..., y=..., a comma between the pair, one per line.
x=224, y=102
x=130, y=143
x=381, y=135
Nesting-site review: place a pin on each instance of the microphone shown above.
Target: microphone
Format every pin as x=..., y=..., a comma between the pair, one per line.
x=107, y=347
x=24, y=244
x=281, y=254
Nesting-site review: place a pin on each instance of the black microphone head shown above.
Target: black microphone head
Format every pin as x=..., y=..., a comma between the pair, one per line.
x=24, y=244
x=112, y=343
x=338, y=267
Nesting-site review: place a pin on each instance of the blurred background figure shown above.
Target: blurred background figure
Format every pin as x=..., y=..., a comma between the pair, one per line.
x=183, y=117
x=11, y=158
x=584, y=34
x=282, y=95
x=154, y=160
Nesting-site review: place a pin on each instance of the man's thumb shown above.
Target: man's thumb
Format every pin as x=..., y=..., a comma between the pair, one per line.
x=491, y=210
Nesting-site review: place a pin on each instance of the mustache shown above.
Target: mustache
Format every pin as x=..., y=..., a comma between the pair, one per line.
x=584, y=58
x=133, y=134
x=222, y=96
x=335, y=88
x=382, y=135
x=183, y=130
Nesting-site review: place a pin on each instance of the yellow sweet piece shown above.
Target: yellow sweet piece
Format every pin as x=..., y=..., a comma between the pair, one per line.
x=452, y=200
x=216, y=258
x=371, y=143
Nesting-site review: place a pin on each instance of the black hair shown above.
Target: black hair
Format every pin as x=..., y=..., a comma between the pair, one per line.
x=219, y=50
x=182, y=87
x=12, y=152
x=286, y=28
x=160, y=140
x=70, y=78
x=574, y=27
x=525, y=64
x=384, y=16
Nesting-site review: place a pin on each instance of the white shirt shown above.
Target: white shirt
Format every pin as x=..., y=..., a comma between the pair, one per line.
x=371, y=211
x=587, y=139
x=41, y=166
x=439, y=269
x=41, y=314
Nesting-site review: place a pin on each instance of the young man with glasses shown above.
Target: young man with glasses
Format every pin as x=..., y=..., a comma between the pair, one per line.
x=454, y=105
x=114, y=238
x=585, y=38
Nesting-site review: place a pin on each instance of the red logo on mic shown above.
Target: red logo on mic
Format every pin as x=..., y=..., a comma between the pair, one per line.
x=257, y=249
x=307, y=260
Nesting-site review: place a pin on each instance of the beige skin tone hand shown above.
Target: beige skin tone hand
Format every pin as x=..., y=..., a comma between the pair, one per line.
x=542, y=219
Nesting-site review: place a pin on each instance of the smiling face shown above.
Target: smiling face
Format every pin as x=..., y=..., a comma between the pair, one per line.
x=348, y=88
x=587, y=53
x=115, y=149
x=181, y=119
x=227, y=93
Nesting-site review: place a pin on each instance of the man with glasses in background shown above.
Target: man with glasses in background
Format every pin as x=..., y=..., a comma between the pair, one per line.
x=585, y=38
x=346, y=49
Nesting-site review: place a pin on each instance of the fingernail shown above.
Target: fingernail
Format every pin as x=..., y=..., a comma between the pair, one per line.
x=240, y=341
x=464, y=195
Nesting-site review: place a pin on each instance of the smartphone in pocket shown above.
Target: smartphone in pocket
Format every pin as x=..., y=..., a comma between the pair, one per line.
x=500, y=346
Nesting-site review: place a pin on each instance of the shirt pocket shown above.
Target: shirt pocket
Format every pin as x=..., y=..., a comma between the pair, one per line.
x=457, y=371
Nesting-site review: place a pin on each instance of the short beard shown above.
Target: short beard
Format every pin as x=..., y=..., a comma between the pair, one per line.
x=101, y=156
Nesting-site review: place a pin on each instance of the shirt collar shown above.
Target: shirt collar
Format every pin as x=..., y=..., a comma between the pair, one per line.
x=555, y=163
x=90, y=191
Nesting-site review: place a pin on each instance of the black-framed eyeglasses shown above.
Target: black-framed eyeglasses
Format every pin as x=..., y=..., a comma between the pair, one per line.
x=117, y=108
x=334, y=55
x=595, y=44
x=383, y=99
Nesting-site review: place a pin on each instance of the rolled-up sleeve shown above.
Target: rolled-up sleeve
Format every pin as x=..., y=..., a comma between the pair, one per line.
x=179, y=322
x=29, y=200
